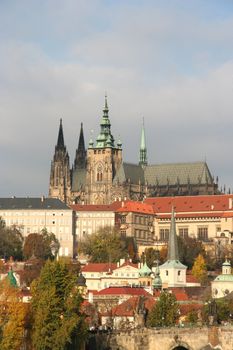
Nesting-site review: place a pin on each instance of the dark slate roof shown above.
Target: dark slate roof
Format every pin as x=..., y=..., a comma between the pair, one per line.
x=194, y=173
x=127, y=171
x=78, y=179
x=32, y=203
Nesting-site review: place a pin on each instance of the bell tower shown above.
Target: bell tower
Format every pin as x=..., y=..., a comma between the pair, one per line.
x=60, y=179
x=103, y=160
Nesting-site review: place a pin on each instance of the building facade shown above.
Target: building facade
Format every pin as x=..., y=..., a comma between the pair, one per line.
x=32, y=215
x=99, y=174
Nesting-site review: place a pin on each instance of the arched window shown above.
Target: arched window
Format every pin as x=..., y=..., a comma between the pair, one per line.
x=179, y=272
x=166, y=272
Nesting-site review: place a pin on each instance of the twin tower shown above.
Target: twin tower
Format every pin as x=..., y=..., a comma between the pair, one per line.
x=99, y=175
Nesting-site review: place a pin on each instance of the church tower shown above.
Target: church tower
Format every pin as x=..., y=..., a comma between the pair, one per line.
x=103, y=161
x=60, y=179
x=173, y=272
x=143, y=149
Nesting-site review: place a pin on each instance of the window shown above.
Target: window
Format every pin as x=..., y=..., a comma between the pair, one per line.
x=166, y=272
x=123, y=233
x=123, y=219
x=179, y=272
x=202, y=233
x=164, y=234
x=183, y=232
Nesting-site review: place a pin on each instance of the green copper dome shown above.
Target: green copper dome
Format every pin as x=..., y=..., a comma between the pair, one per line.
x=145, y=271
x=224, y=278
x=226, y=263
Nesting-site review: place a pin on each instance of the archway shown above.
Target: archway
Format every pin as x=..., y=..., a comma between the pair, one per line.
x=180, y=347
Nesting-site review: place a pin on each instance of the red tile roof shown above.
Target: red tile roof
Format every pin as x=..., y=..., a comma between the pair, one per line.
x=123, y=291
x=186, y=204
x=136, y=207
x=99, y=267
x=94, y=207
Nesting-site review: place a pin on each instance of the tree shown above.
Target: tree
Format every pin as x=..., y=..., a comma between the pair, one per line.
x=13, y=314
x=189, y=249
x=103, y=246
x=199, y=269
x=56, y=301
x=165, y=312
x=151, y=255
x=11, y=242
x=40, y=245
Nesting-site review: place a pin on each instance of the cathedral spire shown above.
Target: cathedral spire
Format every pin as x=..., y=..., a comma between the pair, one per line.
x=80, y=157
x=173, y=253
x=60, y=139
x=143, y=149
x=105, y=138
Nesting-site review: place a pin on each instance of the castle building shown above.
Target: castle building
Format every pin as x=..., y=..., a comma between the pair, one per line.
x=99, y=175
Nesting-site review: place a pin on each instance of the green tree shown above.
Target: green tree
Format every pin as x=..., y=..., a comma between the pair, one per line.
x=189, y=249
x=56, y=301
x=40, y=245
x=11, y=243
x=103, y=246
x=151, y=255
x=199, y=269
x=165, y=312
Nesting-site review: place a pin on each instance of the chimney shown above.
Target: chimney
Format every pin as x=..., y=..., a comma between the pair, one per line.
x=230, y=203
x=122, y=204
x=90, y=297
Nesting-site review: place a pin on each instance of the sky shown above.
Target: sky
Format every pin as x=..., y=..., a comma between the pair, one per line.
x=169, y=62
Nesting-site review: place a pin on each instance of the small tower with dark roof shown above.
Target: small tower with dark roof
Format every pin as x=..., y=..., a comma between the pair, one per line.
x=60, y=177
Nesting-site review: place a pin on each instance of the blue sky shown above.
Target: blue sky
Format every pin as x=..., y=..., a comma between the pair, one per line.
x=170, y=62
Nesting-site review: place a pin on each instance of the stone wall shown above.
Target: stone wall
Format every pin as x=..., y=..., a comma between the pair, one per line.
x=168, y=339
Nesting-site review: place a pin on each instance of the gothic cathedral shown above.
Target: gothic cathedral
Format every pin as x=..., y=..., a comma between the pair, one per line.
x=99, y=175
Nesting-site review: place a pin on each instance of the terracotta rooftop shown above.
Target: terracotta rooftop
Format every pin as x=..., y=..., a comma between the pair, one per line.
x=99, y=267
x=94, y=207
x=123, y=291
x=182, y=204
x=136, y=207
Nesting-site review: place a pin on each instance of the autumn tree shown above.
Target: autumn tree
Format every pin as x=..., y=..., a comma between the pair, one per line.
x=189, y=249
x=40, y=245
x=56, y=304
x=11, y=242
x=13, y=314
x=199, y=269
x=103, y=246
x=165, y=312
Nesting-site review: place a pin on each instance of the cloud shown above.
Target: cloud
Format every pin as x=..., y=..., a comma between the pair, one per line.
x=166, y=64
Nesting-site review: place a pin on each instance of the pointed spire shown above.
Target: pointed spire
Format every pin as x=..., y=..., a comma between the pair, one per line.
x=60, y=139
x=105, y=136
x=143, y=150
x=173, y=253
x=80, y=157
x=105, y=110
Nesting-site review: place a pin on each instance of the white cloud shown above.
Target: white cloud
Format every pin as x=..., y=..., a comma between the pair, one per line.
x=136, y=56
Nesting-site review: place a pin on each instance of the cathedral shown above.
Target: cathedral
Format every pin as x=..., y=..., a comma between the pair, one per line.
x=99, y=174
